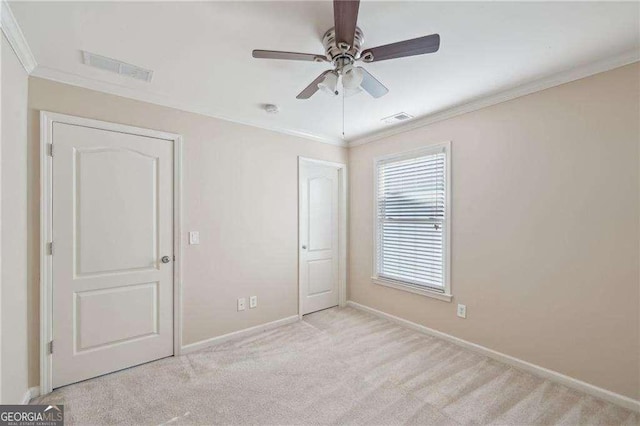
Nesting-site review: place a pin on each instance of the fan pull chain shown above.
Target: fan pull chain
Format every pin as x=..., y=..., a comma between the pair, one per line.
x=343, y=113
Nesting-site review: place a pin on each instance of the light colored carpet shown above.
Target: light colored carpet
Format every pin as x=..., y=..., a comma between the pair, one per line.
x=339, y=366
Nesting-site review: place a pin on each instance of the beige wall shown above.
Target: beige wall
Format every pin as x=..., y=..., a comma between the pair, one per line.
x=545, y=228
x=545, y=236
x=13, y=228
x=239, y=191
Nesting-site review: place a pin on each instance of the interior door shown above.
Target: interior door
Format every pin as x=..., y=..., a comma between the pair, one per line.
x=112, y=251
x=319, y=236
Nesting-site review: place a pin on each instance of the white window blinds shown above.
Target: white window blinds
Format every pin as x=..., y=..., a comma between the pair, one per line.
x=411, y=214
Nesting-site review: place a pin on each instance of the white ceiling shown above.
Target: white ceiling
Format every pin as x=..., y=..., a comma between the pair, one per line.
x=200, y=53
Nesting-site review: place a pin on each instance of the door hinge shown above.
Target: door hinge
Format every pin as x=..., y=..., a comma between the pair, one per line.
x=50, y=148
x=51, y=347
x=174, y=257
x=50, y=248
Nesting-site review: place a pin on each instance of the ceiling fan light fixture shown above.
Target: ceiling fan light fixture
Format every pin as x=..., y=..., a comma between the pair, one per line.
x=352, y=77
x=329, y=84
x=352, y=92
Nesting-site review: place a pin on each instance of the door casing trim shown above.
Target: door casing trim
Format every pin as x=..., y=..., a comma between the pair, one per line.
x=46, y=189
x=342, y=229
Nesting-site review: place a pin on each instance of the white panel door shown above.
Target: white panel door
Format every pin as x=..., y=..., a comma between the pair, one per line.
x=319, y=245
x=112, y=225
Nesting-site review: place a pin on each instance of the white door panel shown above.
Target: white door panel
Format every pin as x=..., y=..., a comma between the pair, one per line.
x=132, y=199
x=320, y=205
x=320, y=276
x=319, y=250
x=112, y=223
x=131, y=310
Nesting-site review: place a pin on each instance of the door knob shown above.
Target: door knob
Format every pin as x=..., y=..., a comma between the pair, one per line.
x=304, y=247
x=165, y=259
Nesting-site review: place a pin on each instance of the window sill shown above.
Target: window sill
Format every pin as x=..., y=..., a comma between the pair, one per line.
x=423, y=292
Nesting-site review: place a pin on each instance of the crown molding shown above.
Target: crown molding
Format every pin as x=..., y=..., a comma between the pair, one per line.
x=16, y=39
x=18, y=42
x=153, y=98
x=573, y=74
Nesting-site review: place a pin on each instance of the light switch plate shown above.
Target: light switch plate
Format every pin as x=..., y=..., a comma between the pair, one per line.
x=462, y=311
x=253, y=302
x=194, y=237
x=241, y=304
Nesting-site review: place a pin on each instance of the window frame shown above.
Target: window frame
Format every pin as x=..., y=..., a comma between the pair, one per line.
x=445, y=295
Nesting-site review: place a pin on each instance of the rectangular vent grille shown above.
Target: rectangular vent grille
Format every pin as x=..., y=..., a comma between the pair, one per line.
x=396, y=118
x=116, y=66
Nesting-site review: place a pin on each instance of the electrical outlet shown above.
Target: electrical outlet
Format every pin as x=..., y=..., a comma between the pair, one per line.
x=462, y=311
x=253, y=302
x=241, y=304
x=194, y=237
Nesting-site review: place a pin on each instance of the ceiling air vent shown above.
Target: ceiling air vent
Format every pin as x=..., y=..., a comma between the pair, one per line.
x=116, y=66
x=397, y=118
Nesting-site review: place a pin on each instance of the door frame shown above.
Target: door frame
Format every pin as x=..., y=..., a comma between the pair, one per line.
x=46, y=190
x=342, y=229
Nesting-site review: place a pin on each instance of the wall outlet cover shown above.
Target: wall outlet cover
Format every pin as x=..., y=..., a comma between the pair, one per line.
x=241, y=304
x=253, y=302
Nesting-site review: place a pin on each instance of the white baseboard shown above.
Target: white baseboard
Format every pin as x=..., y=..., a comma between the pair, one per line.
x=192, y=347
x=545, y=373
x=30, y=394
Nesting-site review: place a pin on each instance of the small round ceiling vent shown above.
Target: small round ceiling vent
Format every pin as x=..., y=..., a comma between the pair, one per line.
x=271, y=108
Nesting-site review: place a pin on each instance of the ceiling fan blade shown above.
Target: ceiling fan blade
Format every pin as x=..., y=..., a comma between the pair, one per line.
x=416, y=46
x=313, y=87
x=345, y=16
x=371, y=85
x=294, y=56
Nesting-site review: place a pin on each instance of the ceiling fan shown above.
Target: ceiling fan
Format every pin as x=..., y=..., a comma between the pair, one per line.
x=343, y=47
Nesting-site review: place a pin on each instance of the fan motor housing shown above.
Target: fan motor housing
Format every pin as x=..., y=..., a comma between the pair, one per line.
x=335, y=54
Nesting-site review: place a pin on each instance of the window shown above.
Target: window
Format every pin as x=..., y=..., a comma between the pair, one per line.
x=412, y=221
